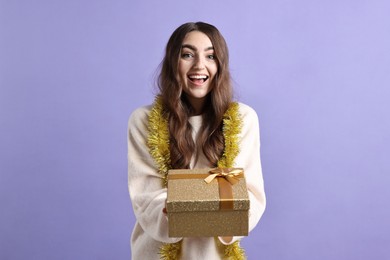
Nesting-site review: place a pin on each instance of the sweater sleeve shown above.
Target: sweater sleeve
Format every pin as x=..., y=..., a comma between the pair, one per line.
x=145, y=183
x=249, y=159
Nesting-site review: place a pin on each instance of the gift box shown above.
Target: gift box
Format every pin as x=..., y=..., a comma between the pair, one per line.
x=207, y=202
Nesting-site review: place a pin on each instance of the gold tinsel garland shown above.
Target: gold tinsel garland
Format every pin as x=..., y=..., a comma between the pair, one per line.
x=158, y=143
x=158, y=139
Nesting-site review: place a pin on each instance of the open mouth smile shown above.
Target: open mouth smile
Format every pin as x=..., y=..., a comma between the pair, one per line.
x=198, y=79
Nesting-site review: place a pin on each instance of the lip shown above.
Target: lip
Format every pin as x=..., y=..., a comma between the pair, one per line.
x=197, y=79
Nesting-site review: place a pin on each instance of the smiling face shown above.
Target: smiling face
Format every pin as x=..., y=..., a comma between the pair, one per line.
x=197, y=68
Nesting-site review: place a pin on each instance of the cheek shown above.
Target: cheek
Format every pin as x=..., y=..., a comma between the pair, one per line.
x=214, y=70
x=182, y=71
x=179, y=75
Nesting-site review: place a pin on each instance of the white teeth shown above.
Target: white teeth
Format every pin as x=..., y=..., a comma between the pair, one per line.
x=198, y=77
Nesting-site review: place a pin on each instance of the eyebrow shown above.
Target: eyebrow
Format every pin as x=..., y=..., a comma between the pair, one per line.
x=192, y=47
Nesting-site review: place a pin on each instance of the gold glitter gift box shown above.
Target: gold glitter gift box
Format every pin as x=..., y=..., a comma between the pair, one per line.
x=196, y=208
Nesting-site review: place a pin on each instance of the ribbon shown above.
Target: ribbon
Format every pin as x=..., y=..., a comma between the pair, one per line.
x=226, y=177
x=231, y=175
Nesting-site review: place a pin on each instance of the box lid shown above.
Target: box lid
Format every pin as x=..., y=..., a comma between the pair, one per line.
x=190, y=192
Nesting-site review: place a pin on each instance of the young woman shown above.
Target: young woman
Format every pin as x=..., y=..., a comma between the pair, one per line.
x=193, y=123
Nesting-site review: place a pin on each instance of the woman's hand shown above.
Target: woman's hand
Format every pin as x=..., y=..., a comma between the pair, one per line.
x=227, y=239
x=164, y=210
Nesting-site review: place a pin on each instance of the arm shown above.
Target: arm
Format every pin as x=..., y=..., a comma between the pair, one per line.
x=145, y=183
x=249, y=159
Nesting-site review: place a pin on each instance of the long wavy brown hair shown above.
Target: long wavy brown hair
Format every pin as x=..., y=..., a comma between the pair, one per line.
x=178, y=109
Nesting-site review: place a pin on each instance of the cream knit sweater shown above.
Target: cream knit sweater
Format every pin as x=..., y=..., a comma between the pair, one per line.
x=148, y=196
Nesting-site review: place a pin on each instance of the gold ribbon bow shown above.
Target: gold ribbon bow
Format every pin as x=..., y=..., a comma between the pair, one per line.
x=231, y=175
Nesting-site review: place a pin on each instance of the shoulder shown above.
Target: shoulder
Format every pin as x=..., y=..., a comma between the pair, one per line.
x=247, y=112
x=250, y=120
x=139, y=117
x=140, y=113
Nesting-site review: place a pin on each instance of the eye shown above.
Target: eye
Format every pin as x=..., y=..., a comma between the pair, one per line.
x=187, y=55
x=211, y=57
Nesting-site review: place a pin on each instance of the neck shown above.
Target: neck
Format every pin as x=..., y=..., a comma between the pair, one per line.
x=197, y=105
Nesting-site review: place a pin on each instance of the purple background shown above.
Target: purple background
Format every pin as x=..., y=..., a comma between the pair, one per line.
x=317, y=73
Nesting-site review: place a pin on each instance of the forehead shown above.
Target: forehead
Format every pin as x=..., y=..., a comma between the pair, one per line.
x=197, y=39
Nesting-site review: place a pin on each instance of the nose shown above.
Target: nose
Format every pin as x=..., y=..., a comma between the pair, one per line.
x=199, y=63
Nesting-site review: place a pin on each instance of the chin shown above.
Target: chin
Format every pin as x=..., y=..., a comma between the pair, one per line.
x=198, y=95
